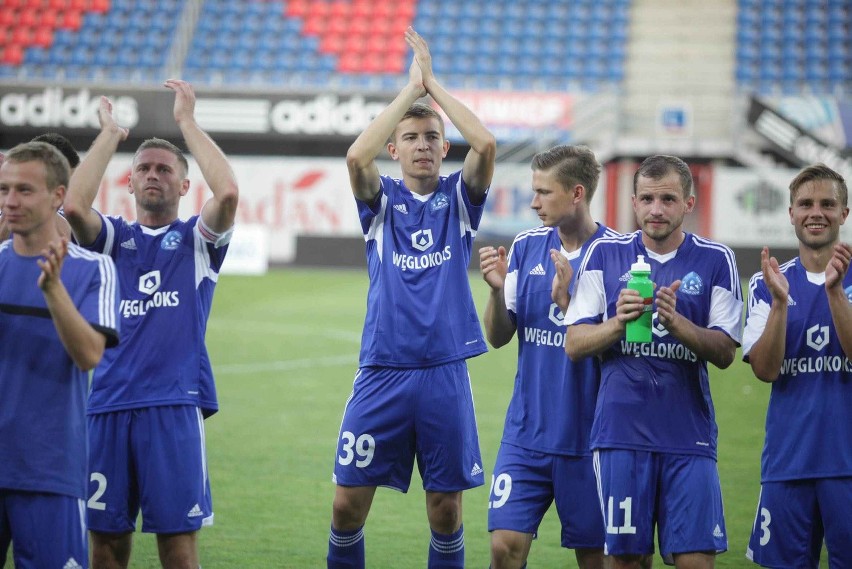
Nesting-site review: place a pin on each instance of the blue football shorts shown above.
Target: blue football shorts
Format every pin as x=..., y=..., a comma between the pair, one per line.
x=525, y=483
x=793, y=517
x=394, y=415
x=679, y=494
x=46, y=530
x=151, y=458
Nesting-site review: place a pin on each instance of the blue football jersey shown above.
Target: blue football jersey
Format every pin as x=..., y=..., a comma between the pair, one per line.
x=43, y=443
x=420, y=309
x=809, y=420
x=167, y=278
x=553, y=402
x=656, y=397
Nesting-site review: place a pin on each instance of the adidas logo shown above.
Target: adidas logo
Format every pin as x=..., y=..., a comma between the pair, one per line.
x=195, y=512
x=400, y=207
x=476, y=470
x=72, y=564
x=538, y=270
x=625, y=277
x=129, y=244
x=717, y=532
x=790, y=301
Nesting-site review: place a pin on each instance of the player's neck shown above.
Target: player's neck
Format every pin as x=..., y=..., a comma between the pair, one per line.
x=815, y=260
x=421, y=186
x=32, y=244
x=663, y=246
x=573, y=237
x=155, y=219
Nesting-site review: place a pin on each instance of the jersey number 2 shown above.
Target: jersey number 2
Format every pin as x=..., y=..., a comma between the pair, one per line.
x=93, y=502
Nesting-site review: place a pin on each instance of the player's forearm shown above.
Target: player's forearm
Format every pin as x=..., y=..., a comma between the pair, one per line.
x=471, y=128
x=361, y=156
x=374, y=138
x=84, y=185
x=841, y=315
x=767, y=354
x=713, y=346
x=219, y=212
x=584, y=340
x=499, y=328
x=478, y=167
x=83, y=343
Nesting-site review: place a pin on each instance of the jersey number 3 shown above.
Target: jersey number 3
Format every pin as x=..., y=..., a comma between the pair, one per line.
x=364, y=447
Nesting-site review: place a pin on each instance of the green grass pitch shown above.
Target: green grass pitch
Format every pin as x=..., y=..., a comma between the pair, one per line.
x=284, y=348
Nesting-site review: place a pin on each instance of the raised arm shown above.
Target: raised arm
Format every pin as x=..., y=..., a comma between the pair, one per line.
x=499, y=328
x=767, y=353
x=83, y=343
x=841, y=308
x=479, y=163
x=220, y=211
x=361, y=156
x=83, y=187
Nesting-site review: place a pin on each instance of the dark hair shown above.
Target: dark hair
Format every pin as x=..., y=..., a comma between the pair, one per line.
x=420, y=111
x=56, y=168
x=164, y=145
x=659, y=166
x=819, y=172
x=574, y=165
x=62, y=144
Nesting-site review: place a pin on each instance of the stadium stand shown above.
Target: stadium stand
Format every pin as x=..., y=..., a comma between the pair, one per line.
x=794, y=46
x=517, y=44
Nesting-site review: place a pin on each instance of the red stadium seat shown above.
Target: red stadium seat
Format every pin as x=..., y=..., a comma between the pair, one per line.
x=314, y=25
x=22, y=36
x=349, y=62
x=49, y=19
x=332, y=43
x=8, y=18
x=297, y=8
x=13, y=55
x=72, y=20
x=28, y=17
x=43, y=36
x=100, y=6
x=338, y=10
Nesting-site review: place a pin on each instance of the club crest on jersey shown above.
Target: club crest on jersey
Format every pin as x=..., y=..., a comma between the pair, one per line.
x=555, y=315
x=422, y=239
x=171, y=241
x=149, y=283
x=439, y=201
x=817, y=337
x=692, y=284
x=657, y=327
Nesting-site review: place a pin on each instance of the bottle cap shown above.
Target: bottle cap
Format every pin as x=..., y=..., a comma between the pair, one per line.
x=640, y=265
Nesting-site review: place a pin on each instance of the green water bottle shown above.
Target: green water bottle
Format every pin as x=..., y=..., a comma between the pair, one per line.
x=640, y=330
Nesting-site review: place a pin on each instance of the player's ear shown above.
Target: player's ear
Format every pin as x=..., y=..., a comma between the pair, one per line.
x=184, y=186
x=446, y=148
x=393, y=151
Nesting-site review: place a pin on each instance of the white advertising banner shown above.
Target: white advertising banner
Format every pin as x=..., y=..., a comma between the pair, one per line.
x=289, y=197
x=752, y=210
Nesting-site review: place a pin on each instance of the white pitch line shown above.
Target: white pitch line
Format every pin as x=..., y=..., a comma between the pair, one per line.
x=285, y=365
